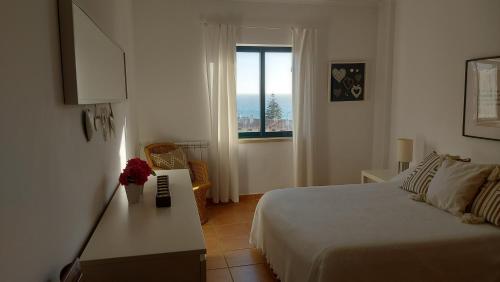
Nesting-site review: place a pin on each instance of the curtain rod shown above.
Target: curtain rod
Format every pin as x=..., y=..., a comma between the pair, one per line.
x=262, y=27
x=204, y=22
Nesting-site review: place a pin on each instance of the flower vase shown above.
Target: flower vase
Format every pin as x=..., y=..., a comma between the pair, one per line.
x=134, y=192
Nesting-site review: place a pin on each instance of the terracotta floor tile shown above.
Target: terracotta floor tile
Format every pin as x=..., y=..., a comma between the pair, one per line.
x=245, y=216
x=246, y=198
x=243, y=257
x=233, y=230
x=208, y=230
x=227, y=217
x=237, y=216
x=226, y=237
x=247, y=206
x=219, y=275
x=252, y=197
x=234, y=243
x=213, y=245
x=210, y=214
x=222, y=207
x=215, y=261
x=252, y=273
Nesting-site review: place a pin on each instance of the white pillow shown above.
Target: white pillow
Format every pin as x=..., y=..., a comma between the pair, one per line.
x=456, y=184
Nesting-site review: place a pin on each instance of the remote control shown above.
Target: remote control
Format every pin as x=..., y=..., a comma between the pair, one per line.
x=162, y=191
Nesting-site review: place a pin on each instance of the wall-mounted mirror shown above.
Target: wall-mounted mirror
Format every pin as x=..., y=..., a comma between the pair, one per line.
x=482, y=98
x=94, y=69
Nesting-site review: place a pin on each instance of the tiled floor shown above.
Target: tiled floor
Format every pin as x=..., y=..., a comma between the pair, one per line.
x=229, y=255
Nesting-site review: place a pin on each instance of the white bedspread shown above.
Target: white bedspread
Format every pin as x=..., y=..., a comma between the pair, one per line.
x=370, y=232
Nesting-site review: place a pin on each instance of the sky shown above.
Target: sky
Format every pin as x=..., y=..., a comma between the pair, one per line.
x=278, y=73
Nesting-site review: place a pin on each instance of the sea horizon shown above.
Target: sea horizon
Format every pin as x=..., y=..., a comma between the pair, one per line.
x=248, y=105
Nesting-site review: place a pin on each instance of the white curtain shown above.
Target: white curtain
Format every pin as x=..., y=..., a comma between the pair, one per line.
x=220, y=56
x=304, y=48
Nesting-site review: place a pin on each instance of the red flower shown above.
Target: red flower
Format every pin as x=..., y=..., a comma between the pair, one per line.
x=136, y=171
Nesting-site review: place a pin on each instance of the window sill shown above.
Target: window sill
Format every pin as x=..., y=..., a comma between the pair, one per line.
x=264, y=140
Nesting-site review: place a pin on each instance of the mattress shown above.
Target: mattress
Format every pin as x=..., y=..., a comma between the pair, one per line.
x=369, y=232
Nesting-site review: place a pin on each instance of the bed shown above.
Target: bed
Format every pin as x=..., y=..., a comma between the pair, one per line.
x=369, y=232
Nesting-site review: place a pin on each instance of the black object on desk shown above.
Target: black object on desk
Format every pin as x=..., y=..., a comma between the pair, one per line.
x=162, y=192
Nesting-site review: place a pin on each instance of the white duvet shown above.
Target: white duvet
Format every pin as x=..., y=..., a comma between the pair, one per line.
x=370, y=232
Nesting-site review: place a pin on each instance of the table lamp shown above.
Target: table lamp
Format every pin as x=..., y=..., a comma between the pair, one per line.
x=405, y=153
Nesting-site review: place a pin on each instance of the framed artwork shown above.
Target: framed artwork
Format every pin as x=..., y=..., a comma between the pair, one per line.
x=481, y=115
x=346, y=81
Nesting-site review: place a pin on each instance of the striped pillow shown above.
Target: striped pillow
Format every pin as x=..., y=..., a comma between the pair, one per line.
x=487, y=202
x=418, y=181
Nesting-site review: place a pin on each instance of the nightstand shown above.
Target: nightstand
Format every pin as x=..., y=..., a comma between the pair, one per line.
x=377, y=175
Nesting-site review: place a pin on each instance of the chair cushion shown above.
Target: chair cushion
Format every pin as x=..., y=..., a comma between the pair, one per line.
x=175, y=159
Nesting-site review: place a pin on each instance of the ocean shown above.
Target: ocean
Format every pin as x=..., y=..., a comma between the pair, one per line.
x=249, y=105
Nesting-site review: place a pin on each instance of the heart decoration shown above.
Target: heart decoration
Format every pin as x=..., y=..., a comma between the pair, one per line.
x=356, y=91
x=358, y=77
x=338, y=74
x=348, y=82
x=337, y=92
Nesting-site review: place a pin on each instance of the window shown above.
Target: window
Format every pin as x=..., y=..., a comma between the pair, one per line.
x=264, y=91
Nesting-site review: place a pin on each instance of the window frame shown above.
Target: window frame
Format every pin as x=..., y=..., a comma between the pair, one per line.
x=262, y=50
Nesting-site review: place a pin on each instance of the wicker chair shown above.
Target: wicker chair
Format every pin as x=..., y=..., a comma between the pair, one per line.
x=199, y=169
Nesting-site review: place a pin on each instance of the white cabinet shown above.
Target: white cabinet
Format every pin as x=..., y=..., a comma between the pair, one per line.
x=141, y=242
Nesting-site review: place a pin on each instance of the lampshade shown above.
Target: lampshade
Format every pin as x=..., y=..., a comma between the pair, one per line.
x=405, y=150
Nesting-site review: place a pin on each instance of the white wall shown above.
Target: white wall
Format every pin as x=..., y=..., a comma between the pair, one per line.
x=265, y=166
x=173, y=104
x=432, y=41
x=352, y=35
x=53, y=183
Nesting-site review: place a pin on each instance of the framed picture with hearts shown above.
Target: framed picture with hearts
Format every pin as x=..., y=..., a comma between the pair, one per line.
x=346, y=81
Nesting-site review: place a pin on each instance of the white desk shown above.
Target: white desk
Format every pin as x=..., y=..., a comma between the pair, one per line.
x=141, y=242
